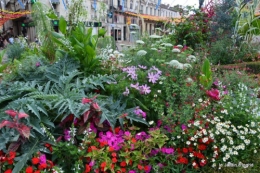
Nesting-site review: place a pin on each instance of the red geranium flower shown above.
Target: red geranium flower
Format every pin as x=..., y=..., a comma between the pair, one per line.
x=103, y=164
x=133, y=140
x=185, y=150
x=88, y=168
x=202, y=147
x=114, y=160
x=11, y=155
x=111, y=149
x=203, y=163
x=29, y=169
x=113, y=154
x=42, y=166
x=182, y=160
x=35, y=160
x=123, y=164
x=123, y=170
x=199, y=155
x=8, y=171
x=146, y=168
x=140, y=167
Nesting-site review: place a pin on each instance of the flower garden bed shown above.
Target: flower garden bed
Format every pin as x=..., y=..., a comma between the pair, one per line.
x=67, y=106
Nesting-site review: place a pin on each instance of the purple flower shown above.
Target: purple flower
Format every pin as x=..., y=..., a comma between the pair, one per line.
x=139, y=111
x=132, y=171
x=160, y=165
x=183, y=127
x=153, y=77
x=153, y=68
x=142, y=67
x=142, y=136
x=42, y=159
x=159, y=123
x=154, y=152
x=66, y=135
x=167, y=150
x=136, y=86
x=131, y=71
x=38, y=64
x=126, y=93
x=216, y=82
x=144, y=89
x=225, y=92
x=92, y=163
x=127, y=133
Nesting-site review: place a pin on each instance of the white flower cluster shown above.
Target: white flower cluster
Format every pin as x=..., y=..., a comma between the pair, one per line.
x=191, y=58
x=176, y=50
x=176, y=64
x=139, y=41
x=243, y=100
x=141, y=53
x=231, y=139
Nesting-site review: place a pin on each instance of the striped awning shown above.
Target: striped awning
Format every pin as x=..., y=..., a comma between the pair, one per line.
x=153, y=18
x=9, y=15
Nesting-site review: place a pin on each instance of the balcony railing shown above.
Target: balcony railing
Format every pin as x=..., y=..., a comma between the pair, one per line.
x=55, y=1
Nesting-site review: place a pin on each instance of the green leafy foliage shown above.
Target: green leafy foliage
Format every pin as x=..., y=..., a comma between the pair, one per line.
x=83, y=44
x=62, y=25
x=206, y=76
x=14, y=51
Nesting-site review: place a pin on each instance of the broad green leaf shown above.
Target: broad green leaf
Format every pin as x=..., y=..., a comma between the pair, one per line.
x=101, y=32
x=52, y=15
x=62, y=25
x=57, y=35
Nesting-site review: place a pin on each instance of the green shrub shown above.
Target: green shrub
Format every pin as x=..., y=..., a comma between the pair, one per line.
x=224, y=52
x=253, y=67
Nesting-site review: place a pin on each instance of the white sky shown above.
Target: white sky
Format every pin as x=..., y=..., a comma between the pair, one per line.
x=182, y=2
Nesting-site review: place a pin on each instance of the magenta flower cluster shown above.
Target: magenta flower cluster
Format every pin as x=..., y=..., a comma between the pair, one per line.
x=113, y=140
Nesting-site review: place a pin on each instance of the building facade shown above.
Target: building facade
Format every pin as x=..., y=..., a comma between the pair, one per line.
x=121, y=18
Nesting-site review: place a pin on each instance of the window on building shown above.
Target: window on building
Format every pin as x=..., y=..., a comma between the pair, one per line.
x=118, y=2
x=131, y=6
x=141, y=9
x=155, y=12
x=125, y=4
x=151, y=11
x=146, y=10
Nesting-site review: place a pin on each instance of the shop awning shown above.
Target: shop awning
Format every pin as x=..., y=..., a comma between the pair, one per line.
x=9, y=15
x=153, y=18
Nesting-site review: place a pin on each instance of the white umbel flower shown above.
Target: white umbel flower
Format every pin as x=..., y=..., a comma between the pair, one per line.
x=173, y=63
x=168, y=45
x=186, y=66
x=139, y=41
x=175, y=50
x=179, y=46
x=153, y=48
x=155, y=36
x=191, y=58
x=141, y=53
